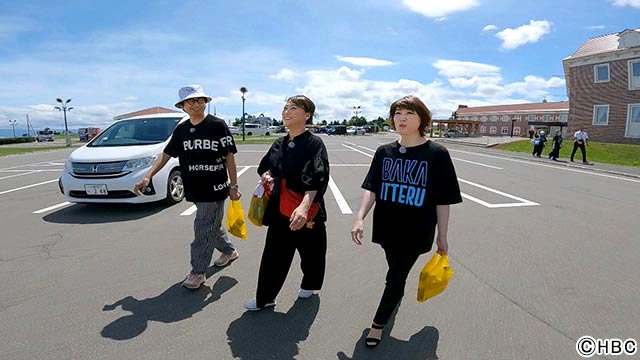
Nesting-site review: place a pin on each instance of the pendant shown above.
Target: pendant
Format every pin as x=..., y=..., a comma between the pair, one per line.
x=192, y=130
x=291, y=145
x=403, y=150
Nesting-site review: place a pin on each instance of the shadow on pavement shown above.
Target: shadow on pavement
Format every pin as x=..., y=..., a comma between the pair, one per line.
x=103, y=213
x=272, y=335
x=174, y=304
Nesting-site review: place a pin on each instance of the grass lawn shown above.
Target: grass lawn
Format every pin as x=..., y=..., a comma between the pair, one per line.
x=4, y=151
x=255, y=139
x=618, y=154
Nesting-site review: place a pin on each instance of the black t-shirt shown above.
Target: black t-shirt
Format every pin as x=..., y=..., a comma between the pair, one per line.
x=408, y=187
x=202, y=151
x=305, y=167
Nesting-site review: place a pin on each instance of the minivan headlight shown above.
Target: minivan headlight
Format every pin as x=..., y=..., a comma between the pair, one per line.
x=139, y=163
x=68, y=166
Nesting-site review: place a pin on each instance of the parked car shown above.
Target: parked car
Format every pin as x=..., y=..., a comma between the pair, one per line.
x=353, y=130
x=45, y=135
x=255, y=129
x=235, y=130
x=106, y=169
x=454, y=133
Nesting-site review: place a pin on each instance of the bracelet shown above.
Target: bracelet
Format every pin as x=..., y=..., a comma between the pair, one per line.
x=234, y=187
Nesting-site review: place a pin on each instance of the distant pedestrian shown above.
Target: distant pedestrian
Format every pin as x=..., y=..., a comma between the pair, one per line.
x=531, y=133
x=538, y=144
x=557, y=144
x=580, y=142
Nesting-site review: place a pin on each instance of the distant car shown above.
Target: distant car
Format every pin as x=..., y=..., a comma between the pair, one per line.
x=235, y=130
x=106, y=169
x=454, y=133
x=46, y=135
x=353, y=130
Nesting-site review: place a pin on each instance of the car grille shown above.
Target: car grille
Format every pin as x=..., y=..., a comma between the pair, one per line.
x=117, y=194
x=99, y=170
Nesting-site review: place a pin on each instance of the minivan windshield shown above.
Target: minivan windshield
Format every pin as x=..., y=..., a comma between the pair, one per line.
x=136, y=132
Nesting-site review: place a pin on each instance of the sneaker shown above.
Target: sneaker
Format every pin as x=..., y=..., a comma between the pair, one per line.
x=193, y=281
x=225, y=259
x=305, y=294
x=252, y=305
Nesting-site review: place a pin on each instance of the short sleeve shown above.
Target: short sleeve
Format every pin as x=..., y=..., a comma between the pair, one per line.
x=447, y=189
x=231, y=147
x=372, y=181
x=315, y=173
x=173, y=147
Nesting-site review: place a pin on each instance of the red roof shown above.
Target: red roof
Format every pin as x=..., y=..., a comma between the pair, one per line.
x=600, y=44
x=513, y=108
x=149, y=111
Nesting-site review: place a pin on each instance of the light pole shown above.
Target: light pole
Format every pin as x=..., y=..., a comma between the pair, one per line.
x=64, y=108
x=513, y=121
x=356, y=109
x=13, y=125
x=243, y=90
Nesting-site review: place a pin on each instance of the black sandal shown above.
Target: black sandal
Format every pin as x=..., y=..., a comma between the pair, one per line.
x=371, y=341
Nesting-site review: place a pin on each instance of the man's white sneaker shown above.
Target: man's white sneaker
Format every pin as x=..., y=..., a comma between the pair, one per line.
x=251, y=305
x=305, y=294
x=193, y=281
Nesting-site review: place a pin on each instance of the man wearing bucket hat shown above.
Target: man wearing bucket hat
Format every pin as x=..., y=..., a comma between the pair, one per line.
x=206, y=151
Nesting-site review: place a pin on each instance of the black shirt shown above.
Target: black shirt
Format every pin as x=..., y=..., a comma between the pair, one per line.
x=202, y=151
x=408, y=187
x=304, y=165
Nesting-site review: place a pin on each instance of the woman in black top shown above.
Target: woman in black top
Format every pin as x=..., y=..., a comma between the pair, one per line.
x=412, y=182
x=297, y=168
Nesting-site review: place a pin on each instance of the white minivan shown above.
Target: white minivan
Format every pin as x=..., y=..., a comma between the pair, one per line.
x=256, y=129
x=106, y=169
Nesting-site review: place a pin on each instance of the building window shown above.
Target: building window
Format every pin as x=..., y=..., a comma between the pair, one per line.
x=600, y=115
x=518, y=118
x=601, y=73
x=545, y=118
x=494, y=118
x=532, y=118
x=483, y=119
x=505, y=118
x=493, y=130
x=564, y=118
x=483, y=129
x=504, y=130
x=633, y=121
x=516, y=130
x=475, y=118
x=634, y=75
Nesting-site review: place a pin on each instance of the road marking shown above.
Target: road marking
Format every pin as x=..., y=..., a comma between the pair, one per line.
x=521, y=201
x=27, y=173
x=477, y=163
x=549, y=166
x=28, y=186
x=23, y=170
x=342, y=203
x=52, y=207
x=193, y=207
x=356, y=150
x=38, y=163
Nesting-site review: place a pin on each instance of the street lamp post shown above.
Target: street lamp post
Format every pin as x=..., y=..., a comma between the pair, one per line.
x=513, y=121
x=356, y=109
x=64, y=108
x=243, y=90
x=13, y=125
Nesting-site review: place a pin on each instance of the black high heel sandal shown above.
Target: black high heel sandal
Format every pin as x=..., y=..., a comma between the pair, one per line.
x=371, y=341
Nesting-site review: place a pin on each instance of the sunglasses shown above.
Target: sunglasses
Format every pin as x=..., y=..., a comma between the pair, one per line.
x=193, y=101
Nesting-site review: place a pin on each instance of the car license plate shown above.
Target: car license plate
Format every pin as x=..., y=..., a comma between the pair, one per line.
x=96, y=189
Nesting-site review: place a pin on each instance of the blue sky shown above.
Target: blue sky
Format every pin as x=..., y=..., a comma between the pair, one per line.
x=120, y=56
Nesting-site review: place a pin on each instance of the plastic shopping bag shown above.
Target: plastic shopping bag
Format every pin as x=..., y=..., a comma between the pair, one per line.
x=258, y=205
x=434, y=277
x=235, y=220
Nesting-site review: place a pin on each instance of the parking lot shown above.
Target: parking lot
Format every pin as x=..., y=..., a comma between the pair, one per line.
x=543, y=254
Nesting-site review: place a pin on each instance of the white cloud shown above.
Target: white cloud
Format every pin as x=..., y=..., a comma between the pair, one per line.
x=437, y=8
x=364, y=61
x=489, y=28
x=284, y=74
x=531, y=33
x=456, y=68
x=632, y=3
x=595, y=27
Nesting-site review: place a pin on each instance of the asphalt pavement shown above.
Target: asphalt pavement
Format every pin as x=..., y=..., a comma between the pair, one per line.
x=543, y=254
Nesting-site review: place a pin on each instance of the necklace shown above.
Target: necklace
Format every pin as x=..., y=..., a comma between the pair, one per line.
x=291, y=144
x=403, y=149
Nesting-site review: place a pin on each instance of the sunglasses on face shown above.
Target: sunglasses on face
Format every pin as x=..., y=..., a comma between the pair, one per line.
x=194, y=101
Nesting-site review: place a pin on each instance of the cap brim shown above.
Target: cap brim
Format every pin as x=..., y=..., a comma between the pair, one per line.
x=179, y=103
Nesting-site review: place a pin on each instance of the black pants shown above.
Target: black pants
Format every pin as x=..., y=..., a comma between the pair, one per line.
x=537, y=150
x=399, y=267
x=555, y=153
x=583, y=150
x=279, y=248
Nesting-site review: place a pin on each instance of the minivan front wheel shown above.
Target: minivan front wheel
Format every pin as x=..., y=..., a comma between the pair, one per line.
x=175, y=188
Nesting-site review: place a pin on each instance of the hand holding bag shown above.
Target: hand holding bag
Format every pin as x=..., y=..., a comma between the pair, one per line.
x=258, y=205
x=235, y=220
x=434, y=277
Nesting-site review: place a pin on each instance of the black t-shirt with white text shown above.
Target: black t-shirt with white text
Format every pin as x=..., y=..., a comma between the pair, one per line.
x=408, y=186
x=202, y=151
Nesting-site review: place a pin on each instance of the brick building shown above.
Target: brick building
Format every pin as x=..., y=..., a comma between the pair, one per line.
x=501, y=120
x=603, y=85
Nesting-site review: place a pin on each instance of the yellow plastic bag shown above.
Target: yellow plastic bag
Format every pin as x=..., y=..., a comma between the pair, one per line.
x=235, y=220
x=257, y=208
x=434, y=277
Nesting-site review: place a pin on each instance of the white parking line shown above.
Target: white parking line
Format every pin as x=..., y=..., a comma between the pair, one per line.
x=356, y=150
x=27, y=173
x=52, y=207
x=193, y=208
x=521, y=201
x=477, y=163
x=28, y=186
x=342, y=203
